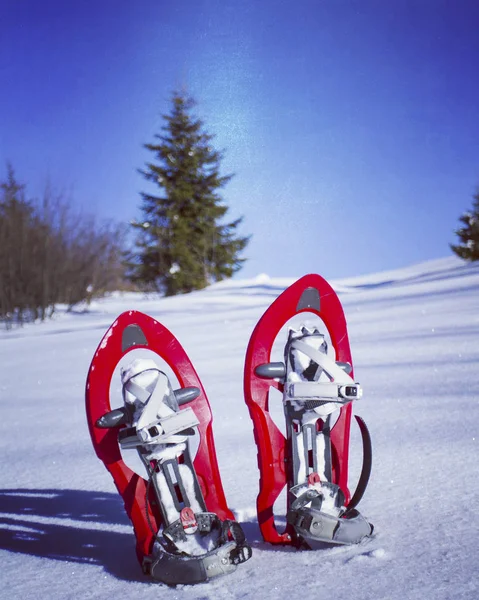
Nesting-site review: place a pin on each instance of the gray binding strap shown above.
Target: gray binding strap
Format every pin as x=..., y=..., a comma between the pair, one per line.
x=175, y=569
x=173, y=479
x=181, y=569
x=311, y=522
x=310, y=445
x=316, y=525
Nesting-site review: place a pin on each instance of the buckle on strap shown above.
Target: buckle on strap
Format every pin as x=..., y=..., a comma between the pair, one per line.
x=333, y=392
x=205, y=523
x=160, y=431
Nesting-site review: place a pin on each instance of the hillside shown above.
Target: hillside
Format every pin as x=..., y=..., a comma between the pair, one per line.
x=415, y=340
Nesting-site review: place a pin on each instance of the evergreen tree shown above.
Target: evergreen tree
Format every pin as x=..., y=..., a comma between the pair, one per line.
x=182, y=241
x=469, y=233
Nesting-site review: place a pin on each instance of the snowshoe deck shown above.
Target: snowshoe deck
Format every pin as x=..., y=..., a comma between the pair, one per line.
x=286, y=460
x=133, y=330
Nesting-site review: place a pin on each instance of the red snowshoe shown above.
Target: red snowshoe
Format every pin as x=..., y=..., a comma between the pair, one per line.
x=185, y=532
x=316, y=380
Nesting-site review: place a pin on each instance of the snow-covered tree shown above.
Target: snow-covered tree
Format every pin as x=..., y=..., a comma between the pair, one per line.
x=468, y=233
x=183, y=242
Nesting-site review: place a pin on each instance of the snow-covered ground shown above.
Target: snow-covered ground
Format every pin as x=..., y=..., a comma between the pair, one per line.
x=415, y=340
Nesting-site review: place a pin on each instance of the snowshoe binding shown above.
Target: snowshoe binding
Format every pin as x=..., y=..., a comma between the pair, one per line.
x=185, y=532
x=316, y=381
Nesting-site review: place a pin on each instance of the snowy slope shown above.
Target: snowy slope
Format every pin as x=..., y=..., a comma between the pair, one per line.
x=415, y=342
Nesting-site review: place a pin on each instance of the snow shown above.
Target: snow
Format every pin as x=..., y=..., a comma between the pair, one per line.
x=415, y=341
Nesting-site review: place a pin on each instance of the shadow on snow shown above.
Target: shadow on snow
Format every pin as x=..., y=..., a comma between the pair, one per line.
x=22, y=531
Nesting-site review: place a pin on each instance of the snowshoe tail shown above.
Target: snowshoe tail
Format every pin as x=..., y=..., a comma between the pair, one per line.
x=185, y=532
x=317, y=383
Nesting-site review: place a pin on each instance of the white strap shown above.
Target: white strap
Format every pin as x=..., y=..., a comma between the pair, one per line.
x=157, y=412
x=313, y=389
x=137, y=391
x=322, y=360
x=154, y=403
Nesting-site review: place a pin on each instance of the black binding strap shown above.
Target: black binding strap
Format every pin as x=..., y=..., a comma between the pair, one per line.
x=242, y=551
x=367, y=465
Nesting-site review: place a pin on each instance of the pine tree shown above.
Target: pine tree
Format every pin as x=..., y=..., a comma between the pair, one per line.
x=469, y=233
x=182, y=241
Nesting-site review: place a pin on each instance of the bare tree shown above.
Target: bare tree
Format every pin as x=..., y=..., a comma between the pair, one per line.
x=51, y=254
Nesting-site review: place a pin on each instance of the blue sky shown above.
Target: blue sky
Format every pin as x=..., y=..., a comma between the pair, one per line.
x=351, y=126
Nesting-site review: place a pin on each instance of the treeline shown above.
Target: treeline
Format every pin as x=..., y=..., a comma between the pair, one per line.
x=51, y=255
x=184, y=239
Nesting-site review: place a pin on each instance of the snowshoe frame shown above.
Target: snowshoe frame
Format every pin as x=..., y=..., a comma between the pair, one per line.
x=133, y=330
x=311, y=294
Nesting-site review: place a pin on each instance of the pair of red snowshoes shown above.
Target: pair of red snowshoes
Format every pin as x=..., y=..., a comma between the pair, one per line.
x=184, y=530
